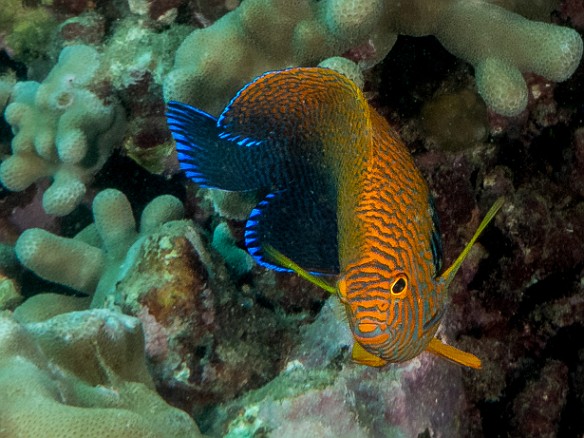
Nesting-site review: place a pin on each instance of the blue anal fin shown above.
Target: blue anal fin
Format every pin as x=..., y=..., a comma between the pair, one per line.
x=212, y=158
x=297, y=224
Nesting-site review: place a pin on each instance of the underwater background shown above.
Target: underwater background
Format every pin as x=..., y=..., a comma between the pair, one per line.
x=129, y=304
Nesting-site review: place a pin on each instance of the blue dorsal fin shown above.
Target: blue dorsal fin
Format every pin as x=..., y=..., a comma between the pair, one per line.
x=299, y=226
x=214, y=159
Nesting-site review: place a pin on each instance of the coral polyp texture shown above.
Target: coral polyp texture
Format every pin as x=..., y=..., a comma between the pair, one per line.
x=501, y=45
x=63, y=130
x=95, y=259
x=213, y=63
x=81, y=374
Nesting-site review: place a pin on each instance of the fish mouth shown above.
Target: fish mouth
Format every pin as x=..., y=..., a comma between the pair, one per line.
x=371, y=331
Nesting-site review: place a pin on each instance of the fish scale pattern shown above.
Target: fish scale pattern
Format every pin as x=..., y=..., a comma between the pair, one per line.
x=389, y=236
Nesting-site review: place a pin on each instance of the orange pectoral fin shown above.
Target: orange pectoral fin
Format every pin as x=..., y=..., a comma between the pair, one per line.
x=363, y=357
x=453, y=354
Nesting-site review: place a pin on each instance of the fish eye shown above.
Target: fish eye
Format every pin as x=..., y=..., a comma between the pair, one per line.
x=400, y=285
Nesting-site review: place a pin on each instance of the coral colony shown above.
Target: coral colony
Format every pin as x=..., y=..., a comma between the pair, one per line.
x=128, y=304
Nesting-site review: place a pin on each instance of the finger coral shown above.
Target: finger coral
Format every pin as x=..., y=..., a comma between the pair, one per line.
x=81, y=374
x=63, y=130
x=501, y=45
x=92, y=261
x=214, y=62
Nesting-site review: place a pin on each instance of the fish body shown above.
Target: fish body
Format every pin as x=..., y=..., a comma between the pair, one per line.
x=343, y=198
x=389, y=251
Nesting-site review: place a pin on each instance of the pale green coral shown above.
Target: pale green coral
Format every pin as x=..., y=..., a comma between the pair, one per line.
x=62, y=129
x=237, y=260
x=501, y=45
x=213, y=63
x=81, y=374
x=94, y=260
x=346, y=67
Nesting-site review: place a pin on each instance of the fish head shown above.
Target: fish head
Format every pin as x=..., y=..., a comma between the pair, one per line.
x=394, y=313
x=390, y=316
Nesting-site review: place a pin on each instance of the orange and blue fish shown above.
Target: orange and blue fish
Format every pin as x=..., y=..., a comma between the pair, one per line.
x=343, y=198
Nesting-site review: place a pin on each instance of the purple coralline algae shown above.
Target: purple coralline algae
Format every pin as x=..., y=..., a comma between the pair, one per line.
x=319, y=392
